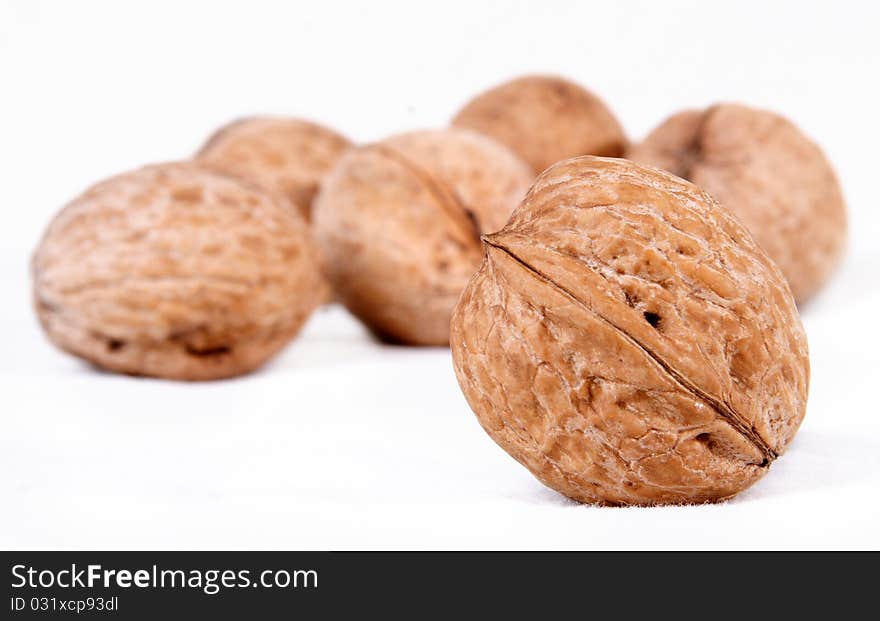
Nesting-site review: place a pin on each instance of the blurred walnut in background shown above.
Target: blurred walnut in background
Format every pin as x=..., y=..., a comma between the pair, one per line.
x=545, y=119
x=175, y=271
x=769, y=174
x=399, y=223
x=290, y=156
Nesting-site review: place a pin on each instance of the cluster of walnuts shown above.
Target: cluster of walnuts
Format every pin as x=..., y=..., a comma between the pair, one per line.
x=627, y=329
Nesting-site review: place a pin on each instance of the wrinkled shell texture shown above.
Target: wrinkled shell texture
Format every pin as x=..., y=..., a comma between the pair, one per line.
x=764, y=169
x=627, y=341
x=398, y=225
x=289, y=156
x=175, y=271
x=545, y=119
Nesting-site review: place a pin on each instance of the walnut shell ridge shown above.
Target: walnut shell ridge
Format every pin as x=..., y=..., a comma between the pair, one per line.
x=773, y=177
x=175, y=271
x=398, y=225
x=545, y=119
x=290, y=156
x=628, y=342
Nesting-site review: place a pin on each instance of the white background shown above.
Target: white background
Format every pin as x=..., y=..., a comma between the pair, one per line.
x=342, y=442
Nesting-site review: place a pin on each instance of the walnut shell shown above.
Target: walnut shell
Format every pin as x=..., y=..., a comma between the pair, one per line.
x=289, y=156
x=764, y=169
x=627, y=341
x=398, y=224
x=545, y=119
x=175, y=271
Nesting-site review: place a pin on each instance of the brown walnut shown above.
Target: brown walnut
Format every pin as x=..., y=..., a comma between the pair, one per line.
x=290, y=156
x=545, y=119
x=627, y=341
x=175, y=271
x=764, y=169
x=398, y=224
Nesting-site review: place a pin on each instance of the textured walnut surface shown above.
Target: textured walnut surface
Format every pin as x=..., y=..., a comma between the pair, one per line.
x=175, y=271
x=764, y=169
x=627, y=341
x=398, y=224
x=290, y=156
x=545, y=119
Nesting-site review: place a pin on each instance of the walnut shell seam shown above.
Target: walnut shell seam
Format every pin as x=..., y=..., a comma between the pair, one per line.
x=463, y=217
x=723, y=410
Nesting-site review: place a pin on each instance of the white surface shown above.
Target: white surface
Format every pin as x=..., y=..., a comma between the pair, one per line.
x=342, y=442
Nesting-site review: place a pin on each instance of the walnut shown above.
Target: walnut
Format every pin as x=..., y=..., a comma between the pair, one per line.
x=290, y=156
x=764, y=169
x=175, y=271
x=545, y=119
x=398, y=224
x=628, y=342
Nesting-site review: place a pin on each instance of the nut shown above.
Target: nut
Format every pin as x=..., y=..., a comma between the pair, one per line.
x=764, y=169
x=289, y=156
x=545, y=119
x=175, y=271
x=398, y=225
x=627, y=341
